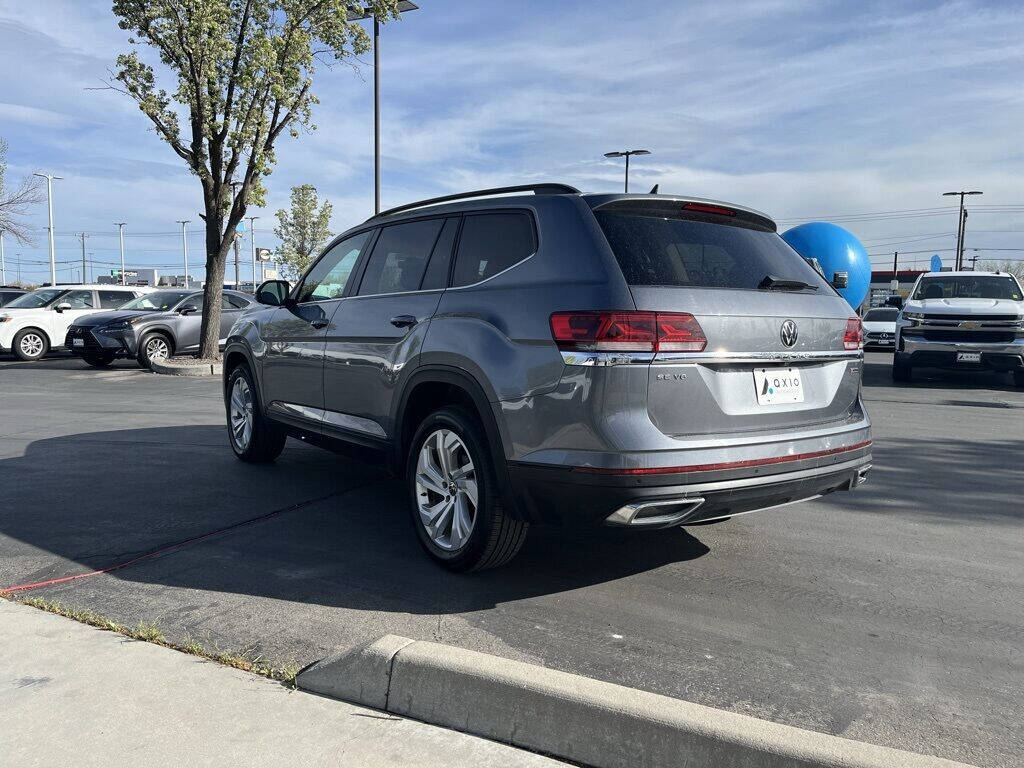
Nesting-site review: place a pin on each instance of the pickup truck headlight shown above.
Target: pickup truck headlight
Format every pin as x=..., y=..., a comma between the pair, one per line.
x=913, y=315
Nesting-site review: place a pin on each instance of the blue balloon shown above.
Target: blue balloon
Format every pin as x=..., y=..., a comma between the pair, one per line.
x=837, y=250
x=936, y=263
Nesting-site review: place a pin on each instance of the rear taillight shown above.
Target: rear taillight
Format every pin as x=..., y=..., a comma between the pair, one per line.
x=627, y=331
x=854, y=333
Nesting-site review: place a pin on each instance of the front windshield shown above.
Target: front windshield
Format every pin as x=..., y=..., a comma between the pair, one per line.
x=160, y=301
x=881, y=315
x=36, y=299
x=968, y=287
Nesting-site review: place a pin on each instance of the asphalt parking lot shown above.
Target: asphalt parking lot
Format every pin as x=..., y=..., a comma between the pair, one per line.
x=891, y=615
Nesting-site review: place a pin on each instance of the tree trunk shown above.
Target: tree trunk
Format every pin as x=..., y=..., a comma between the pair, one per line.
x=217, y=247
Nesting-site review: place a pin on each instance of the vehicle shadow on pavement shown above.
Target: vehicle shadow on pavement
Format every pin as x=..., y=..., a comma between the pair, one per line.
x=879, y=374
x=341, y=536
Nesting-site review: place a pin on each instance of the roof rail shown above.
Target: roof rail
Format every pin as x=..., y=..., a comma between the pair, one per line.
x=537, y=189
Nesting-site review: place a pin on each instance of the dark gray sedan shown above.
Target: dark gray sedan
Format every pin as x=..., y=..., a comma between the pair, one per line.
x=151, y=327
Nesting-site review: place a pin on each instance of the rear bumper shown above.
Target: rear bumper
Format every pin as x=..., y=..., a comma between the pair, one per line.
x=574, y=495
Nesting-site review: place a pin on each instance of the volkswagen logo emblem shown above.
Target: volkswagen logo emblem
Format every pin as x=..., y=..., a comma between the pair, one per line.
x=788, y=333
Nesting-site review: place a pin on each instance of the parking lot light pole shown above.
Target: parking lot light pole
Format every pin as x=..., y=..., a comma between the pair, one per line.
x=252, y=241
x=184, y=249
x=120, y=235
x=958, y=262
x=404, y=6
x=3, y=262
x=626, y=154
x=49, y=204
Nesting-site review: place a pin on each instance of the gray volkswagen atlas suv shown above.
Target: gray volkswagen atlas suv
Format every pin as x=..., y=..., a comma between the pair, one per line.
x=532, y=355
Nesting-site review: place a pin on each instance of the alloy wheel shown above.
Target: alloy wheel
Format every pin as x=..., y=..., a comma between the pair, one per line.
x=446, y=489
x=157, y=349
x=241, y=413
x=31, y=345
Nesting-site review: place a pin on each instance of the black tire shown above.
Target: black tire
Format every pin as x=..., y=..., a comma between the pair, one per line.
x=99, y=360
x=266, y=440
x=902, y=370
x=143, y=353
x=35, y=340
x=1018, y=379
x=495, y=537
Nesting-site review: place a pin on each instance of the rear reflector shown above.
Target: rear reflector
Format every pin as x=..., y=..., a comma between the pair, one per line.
x=854, y=335
x=724, y=464
x=705, y=208
x=627, y=331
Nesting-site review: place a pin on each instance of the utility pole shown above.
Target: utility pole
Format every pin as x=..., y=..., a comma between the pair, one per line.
x=184, y=249
x=120, y=233
x=49, y=204
x=252, y=241
x=85, y=277
x=963, y=236
x=238, y=275
x=3, y=264
x=958, y=263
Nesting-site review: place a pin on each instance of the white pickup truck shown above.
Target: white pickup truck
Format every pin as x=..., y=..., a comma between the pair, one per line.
x=962, y=320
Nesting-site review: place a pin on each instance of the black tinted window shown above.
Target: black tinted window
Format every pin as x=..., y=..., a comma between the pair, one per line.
x=233, y=302
x=881, y=315
x=114, y=299
x=490, y=243
x=437, y=270
x=968, y=286
x=400, y=257
x=659, y=250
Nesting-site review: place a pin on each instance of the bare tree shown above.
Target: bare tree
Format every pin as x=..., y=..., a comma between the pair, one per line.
x=14, y=203
x=1013, y=267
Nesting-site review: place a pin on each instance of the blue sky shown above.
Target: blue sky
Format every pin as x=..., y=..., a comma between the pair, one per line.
x=805, y=110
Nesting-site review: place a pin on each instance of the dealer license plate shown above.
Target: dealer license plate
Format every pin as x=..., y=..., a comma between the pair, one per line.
x=968, y=357
x=778, y=385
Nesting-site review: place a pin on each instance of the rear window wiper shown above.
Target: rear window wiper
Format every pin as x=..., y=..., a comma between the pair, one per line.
x=773, y=283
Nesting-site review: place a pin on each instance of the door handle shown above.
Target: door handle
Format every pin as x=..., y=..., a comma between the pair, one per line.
x=318, y=324
x=403, y=321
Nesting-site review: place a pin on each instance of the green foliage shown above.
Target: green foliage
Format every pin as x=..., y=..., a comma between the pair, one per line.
x=303, y=230
x=243, y=72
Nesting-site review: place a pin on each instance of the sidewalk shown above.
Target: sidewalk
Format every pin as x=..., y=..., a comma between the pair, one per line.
x=74, y=695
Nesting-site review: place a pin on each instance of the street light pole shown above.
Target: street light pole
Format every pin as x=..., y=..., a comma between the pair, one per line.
x=49, y=204
x=960, y=225
x=85, y=278
x=252, y=240
x=184, y=249
x=3, y=263
x=626, y=153
x=404, y=6
x=120, y=234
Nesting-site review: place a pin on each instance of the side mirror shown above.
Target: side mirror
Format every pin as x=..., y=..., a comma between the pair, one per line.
x=62, y=306
x=273, y=292
x=188, y=309
x=840, y=279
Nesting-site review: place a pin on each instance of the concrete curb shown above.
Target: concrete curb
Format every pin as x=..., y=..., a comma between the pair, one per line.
x=186, y=367
x=575, y=717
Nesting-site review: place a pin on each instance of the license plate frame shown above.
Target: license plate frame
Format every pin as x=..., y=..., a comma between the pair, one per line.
x=968, y=357
x=778, y=386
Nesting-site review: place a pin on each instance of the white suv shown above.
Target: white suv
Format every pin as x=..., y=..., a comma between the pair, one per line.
x=38, y=321
x=962, y=320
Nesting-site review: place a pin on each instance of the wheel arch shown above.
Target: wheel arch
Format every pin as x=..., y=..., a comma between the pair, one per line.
x=433, y=387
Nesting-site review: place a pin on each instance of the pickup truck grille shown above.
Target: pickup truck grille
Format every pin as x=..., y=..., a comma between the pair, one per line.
x=997, y=318
x=952, y=335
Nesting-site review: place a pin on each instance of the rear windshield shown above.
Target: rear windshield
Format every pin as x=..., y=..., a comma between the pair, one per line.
x=968, y=287
x=881, y=315
x=659, y=250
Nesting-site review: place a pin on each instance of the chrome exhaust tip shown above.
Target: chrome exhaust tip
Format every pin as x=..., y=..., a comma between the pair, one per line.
x=659, y=513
